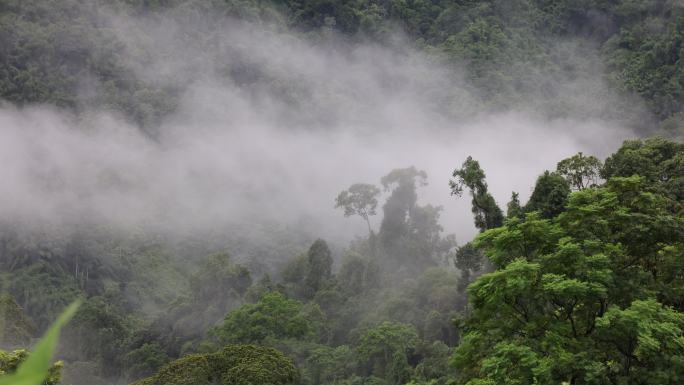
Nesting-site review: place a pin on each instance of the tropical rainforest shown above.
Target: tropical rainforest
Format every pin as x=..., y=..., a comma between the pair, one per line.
x=344, y=192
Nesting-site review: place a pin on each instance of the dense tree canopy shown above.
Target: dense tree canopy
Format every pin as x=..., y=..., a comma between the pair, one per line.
x=273, y=316
x=233, y=365
x=582, y=283
x=16, y=329
x=66, y=53
x=582, y=295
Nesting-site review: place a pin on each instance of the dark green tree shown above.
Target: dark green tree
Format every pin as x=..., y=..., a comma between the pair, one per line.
x=469, y=260
x=513, y=207
x=330, y=365
x=582, y=297
x=144, y=361
x=319, y=267
x=485, y=210
x=273, y=316
x=658, y=160
x=384, y=350
x=549, y=196
x=402, y=183
x=233, y=365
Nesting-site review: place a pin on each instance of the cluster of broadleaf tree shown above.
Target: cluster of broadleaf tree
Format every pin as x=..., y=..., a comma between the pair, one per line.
x=64, y=53
x=584, y=284
x=384, y=313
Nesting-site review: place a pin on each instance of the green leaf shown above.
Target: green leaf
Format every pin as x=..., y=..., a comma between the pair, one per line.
x=35, y=369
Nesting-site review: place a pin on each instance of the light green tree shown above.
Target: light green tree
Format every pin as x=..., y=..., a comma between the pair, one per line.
x=359, y=199
x=385, y=347
x=580, y=171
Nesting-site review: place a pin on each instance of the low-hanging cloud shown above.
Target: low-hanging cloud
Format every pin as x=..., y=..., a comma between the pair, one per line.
x=270, y=126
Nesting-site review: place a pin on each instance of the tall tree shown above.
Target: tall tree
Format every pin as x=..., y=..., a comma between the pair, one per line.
x=319, y=267
x=487, y=214
x=402, y=183
x=580, y=171
x=513, y=207
x=359, y=199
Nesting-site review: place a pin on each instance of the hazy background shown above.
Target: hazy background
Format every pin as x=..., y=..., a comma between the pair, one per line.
x=270, y=125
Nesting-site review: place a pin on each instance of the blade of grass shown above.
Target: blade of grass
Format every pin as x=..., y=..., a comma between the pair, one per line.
x=35, y=369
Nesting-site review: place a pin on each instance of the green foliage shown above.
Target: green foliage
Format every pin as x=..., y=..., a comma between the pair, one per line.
x=513, y=208
x=99, y=330
x=62, y=53
x=648, y=341
x=485, y=210
x=646, y=60
x=585, y=296
x=659, y=161
x=18, y=369
x=319, y=267
x=217, y=277
x=294, y=273
x=306, y=274
x=51, y=50
x=216, y=286
x=145, y=360
x=580, y=171
x=15, y=328
x=549, y=196
x=589, y=285
x=273, y=316
x=513, y=364
x=433, y=368
x=233, y=365
x=358, y=275
x=402, y=183
x=360, y=199
x=469, y=260
x=428, y=303
x=11, y=361
x=42, y=293
x=384, y=349
x=409, y=234
x=330, y=365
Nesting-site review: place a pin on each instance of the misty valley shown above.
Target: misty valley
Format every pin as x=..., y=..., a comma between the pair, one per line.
x=338, y=192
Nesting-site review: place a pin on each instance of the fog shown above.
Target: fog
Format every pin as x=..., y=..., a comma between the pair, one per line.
x=270, y=125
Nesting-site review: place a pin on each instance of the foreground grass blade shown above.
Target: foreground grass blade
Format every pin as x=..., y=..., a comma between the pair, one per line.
x=35, y=369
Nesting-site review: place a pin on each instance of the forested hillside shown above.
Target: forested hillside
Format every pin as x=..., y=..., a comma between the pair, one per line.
x=67, y=53
x=228, y=187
